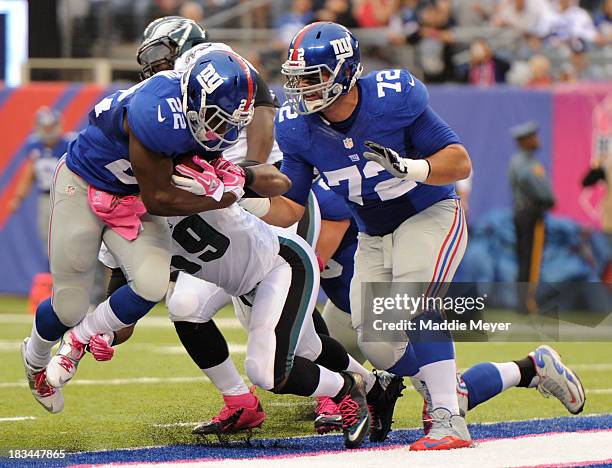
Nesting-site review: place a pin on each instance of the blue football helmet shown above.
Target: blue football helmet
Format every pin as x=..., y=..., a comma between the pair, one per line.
x=323, y=63
x=218, y=93
x=48, y=123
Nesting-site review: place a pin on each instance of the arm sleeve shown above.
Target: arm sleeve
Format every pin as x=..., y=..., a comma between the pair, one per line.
x=264, y=96
x=429, y=133
x=300, y=174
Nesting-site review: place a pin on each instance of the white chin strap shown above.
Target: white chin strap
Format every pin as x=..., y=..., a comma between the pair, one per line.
x=313, y=106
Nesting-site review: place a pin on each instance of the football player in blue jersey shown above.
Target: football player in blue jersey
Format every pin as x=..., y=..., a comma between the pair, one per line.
x=128, y=150
x=44, y=149
x=357, y=132
x=332, y=112
x=174, y=43
x=336, y=250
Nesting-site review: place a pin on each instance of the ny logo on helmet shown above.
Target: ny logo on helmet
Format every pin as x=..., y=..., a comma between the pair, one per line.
x=342, y=47
x=209, y=79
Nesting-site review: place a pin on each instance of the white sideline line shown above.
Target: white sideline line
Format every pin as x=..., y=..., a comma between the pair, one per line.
x=288, y=404
x=237, y=348
x=178, y=424
x=130, y=381
x=592, y=367
x=18, y=418
x=153, y=322
x=8, y=346
x=125, y=381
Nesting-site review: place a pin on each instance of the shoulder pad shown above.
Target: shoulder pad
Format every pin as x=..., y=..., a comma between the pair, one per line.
x=158, y=122
x=405, y=97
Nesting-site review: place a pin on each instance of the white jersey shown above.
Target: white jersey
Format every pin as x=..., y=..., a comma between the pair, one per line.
x=229, y=247
x=188, y=58
x=237, y=152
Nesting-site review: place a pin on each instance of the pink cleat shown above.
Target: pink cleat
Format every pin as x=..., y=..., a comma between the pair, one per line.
x=328, y=417
x=241, y=413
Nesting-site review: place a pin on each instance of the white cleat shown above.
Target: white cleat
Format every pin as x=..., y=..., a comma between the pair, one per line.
x=462, y=399
x=558, y=380
x=50, y=398
x=63, y=366
x=448, y=431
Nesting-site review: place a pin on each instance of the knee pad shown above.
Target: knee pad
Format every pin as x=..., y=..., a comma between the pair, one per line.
x=184, y=306
x=151, y=282
x=257, y=375
x=382, y=355
x=70, y=304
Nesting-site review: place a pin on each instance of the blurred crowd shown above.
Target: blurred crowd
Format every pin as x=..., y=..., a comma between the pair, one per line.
x=482, y=42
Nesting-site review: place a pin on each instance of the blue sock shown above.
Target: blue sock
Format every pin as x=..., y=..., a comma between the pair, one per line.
x=48, y=324
x=128, y=306
x=431, y=346
x=407, y=366
x=483, y=382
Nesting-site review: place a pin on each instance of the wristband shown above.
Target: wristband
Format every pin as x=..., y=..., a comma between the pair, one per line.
x=248, y=176
x=418, y=169
x=256, y=206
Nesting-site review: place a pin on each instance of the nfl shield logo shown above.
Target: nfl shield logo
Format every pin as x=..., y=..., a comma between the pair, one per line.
x=348, y=143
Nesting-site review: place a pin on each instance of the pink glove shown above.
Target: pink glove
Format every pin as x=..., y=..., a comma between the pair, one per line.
x=205, y=183
x=233, y=176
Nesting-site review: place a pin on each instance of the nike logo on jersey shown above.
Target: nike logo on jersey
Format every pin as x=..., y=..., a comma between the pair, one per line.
x=160, y=118
x=411, y=82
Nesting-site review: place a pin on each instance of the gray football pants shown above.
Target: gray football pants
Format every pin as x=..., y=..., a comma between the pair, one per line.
x=75, y=235
x=426, y=248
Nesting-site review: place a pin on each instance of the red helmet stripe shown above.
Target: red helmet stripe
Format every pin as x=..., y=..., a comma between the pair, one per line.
x=299, y=37
x=249, y=76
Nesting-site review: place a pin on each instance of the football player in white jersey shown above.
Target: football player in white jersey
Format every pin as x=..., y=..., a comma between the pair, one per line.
x=273, y=276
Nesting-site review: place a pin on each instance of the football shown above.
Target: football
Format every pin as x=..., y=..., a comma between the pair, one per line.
x=187, y=160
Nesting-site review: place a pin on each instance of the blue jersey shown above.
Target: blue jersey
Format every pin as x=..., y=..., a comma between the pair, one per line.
x=336, y=278
x=154, y=114
x=393, y=111
x=44, y=158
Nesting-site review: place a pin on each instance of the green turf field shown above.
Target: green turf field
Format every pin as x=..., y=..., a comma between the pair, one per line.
x=151, y=392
